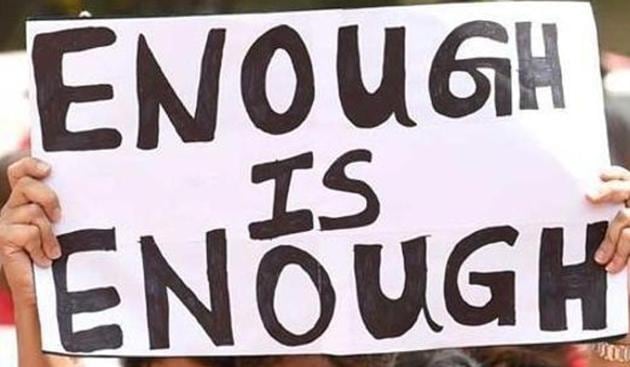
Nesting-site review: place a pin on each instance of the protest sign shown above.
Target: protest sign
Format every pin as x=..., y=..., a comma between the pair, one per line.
x=337, y=181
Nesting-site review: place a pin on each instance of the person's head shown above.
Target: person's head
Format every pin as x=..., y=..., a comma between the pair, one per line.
x=434, y=358
x=521, y=356
x=384, y=360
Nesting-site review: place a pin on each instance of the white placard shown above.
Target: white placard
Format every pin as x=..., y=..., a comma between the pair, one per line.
x=338, y=181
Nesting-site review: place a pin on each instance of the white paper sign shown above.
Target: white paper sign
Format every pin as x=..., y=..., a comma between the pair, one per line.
x=338, y=181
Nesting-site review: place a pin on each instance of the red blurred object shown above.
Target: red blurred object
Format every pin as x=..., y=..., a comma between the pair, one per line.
x=577, y=356
x=6, y=308
x=612, y=61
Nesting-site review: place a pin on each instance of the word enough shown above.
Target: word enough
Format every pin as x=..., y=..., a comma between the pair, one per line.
x=364, y=109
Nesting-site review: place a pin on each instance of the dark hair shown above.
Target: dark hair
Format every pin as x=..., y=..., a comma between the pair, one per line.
x=522, y=356
x=379, y=360
x=436, y=358
x=210, y=362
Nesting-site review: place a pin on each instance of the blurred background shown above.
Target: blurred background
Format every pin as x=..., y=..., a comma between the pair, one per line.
x=612, y=16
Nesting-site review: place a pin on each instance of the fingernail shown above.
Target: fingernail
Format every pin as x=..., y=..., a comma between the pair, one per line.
x=56, y=252
x=45, y=263
x=592, y=194
x=609, y=268
x=43, y=167
x=599, y=256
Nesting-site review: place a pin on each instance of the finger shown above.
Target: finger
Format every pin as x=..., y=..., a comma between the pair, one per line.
x=34, y=214
x=617, y=225
x=24, y=237
x=620, y=259
x=50, y=244
x=611, y=191
x=615, y=173
x=27, y=166
x=29, y=190
x=605, y=252
x=616, y=265
x=36, y=252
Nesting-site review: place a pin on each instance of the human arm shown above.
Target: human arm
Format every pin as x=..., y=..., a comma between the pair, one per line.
x=26, y=237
